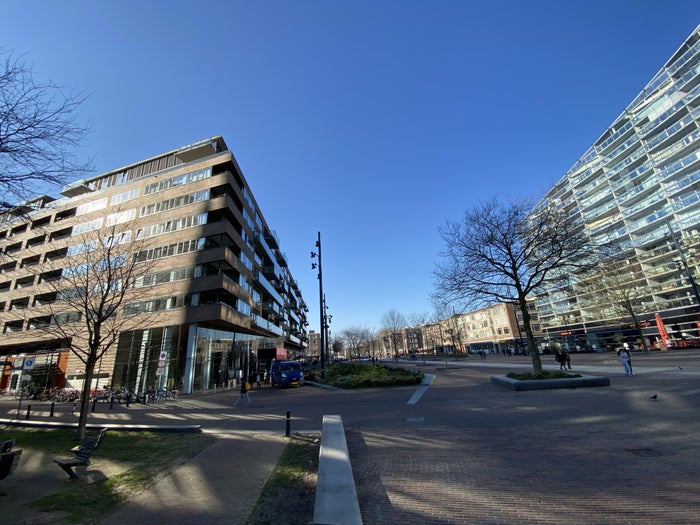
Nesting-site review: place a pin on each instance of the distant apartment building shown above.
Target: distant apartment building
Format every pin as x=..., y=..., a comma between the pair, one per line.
x=314, y=350
x=412, y=339
x=637, y=189
x=494, y=329
x=218, y=295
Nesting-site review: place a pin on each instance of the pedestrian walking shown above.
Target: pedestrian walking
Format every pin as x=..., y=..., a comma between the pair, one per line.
x=257, y=380
x=624, y=356
x=561, y=359
x=266, y=378
x=245, y=386
x=567, y=358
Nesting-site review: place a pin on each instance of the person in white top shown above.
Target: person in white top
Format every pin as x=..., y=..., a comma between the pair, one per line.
x=624, y=356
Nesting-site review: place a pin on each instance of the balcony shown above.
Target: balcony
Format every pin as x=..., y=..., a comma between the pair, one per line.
x=198, y=150
x=281, y=258
x=271, y=309
x=271, y=239
x=266, y=325
x=75, y=189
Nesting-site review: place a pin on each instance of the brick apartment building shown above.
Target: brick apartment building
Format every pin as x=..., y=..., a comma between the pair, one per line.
x=215, y=300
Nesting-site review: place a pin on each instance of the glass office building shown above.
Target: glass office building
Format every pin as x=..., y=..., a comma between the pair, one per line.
x=638, y=187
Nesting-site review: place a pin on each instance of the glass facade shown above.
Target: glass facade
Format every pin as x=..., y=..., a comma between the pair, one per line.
x=638, y=188
x=169, y=358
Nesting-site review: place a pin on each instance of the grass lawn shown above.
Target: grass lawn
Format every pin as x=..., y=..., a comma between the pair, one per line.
x=289, y=494
x=88, y=503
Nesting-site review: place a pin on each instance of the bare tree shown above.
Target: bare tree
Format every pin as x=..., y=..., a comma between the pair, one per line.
x=96, y=282
x=620, y=286
x=355, y=338
x=38, y=133
x=507, y=251
x=394, y=322
x=373, y=344
x=417, y=319
x=454, y=333
x=337, y=347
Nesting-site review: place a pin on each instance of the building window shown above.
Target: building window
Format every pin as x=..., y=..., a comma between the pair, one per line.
x=177, y=202
x=85, y=227
x=66, y=318
x=169, y=250
x=120, y=217
x=124, y=196
x=171, y=226
x=88, y=207
x=12, y=326
x=177, y=181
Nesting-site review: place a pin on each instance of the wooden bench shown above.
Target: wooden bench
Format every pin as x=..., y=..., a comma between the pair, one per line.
x=83, y=453
x=8, y=462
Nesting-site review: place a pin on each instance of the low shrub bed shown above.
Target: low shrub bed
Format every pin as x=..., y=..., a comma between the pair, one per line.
x=350, y=375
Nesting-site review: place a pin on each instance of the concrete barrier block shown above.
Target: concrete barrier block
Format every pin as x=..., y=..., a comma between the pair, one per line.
x=336, y=497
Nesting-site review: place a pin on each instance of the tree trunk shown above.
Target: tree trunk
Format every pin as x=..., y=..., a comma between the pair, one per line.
x=85, y=395
x=531, y=343
x=640, y=331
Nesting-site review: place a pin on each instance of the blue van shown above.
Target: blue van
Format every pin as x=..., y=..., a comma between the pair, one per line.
x=286, y=373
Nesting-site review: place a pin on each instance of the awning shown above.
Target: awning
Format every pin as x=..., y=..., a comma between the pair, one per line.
x=662, y=329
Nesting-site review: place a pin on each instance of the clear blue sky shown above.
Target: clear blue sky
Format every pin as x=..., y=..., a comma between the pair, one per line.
x=372, y=121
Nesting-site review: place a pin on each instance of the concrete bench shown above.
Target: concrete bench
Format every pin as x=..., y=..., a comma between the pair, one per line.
x=336, y=498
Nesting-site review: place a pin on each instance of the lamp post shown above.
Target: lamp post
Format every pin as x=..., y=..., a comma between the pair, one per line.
x=321, y=304
x=326, y=325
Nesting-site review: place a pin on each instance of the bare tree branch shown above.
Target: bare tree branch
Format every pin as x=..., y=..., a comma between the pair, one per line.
x=38, y=133
x=620, y=286
x=98, y=278
x=394, y=322
x=505, y=252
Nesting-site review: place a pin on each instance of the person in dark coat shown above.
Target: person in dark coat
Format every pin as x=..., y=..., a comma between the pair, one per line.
x=245, y=386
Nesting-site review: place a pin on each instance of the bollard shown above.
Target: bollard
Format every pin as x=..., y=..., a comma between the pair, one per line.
x=288, y=423
x=53, y=404
x=29, y=409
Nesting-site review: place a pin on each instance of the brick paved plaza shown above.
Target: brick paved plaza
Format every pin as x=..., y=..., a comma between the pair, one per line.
x=608, y=455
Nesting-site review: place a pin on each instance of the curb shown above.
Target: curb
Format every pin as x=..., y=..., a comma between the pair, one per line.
x=112, y=426
x=550, y=384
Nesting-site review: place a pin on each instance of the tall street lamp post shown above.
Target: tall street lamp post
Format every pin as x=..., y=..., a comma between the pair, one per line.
x=326, y=325
x=321, y=304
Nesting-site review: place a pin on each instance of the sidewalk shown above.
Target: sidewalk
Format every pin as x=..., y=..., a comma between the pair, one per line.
x=221, y=485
